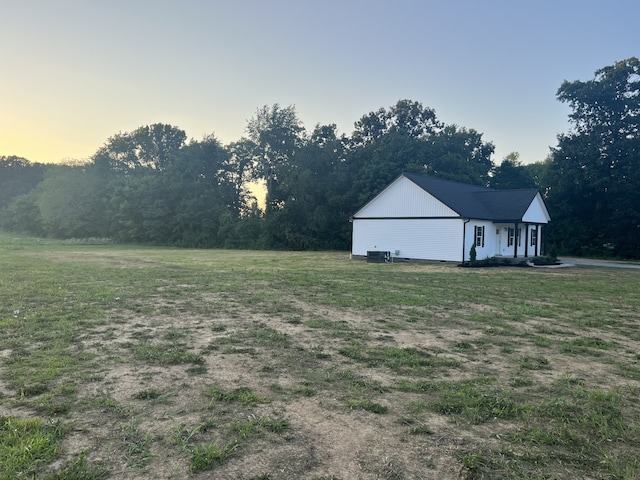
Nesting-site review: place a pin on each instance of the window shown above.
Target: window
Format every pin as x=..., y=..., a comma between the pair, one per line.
x=479, y=234
x=512, y=235
x=534, y=237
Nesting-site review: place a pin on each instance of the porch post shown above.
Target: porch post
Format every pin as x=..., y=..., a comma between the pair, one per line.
x=526, y=240
x=515, y=240
x=464, y=237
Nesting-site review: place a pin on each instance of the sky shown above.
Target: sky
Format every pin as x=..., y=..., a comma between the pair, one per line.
x=75, y=72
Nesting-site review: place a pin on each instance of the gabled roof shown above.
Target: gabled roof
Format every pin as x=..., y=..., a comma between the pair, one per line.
x=473, y=201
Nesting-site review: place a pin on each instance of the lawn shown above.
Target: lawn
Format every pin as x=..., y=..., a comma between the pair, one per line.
x=135, y=362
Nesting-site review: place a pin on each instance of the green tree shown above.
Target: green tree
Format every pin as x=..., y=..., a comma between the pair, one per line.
x=151, y=147
x=406, y=118
x=385, y=143
x=511, y=174
x=596, y=166
x=240, y=170
x=411, y=119
x=370, y=168
x=460, y=154
x=277, y=134
x=140, y=210
x=312, y=216
x=71, y=203
x=22, y=215
x=144, y=209
x=183, y=204
x=18, y=176
x=207, y=165
x=540, y=173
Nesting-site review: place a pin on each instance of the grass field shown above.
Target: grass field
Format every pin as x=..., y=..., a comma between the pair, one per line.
x=131, y=362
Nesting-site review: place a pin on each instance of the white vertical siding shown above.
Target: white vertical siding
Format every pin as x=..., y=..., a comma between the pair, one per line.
x=537, y=212
x=403, y=198
x=490, y=240
x=432, y=239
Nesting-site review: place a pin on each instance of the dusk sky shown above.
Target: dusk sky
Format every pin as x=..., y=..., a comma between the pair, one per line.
x=75, y=72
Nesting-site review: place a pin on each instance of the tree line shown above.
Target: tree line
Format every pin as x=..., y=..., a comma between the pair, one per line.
x=153, y=186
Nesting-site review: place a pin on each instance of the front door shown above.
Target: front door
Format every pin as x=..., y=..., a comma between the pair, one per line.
x=498, y=241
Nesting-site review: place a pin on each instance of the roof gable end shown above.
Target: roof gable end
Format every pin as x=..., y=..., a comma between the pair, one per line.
x=404, y=199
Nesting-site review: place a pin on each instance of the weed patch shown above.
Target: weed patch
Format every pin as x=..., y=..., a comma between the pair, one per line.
x=401, y=360
x=136, y=444
x=478, y=406
x=586, y=346
x=165, y=354
x=27, y=445
x=243, y=395
x=368, y=406
x=534, y=363
x=207, y=455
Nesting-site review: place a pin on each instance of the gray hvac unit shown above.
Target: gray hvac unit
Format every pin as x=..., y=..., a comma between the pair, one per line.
x=378, y=257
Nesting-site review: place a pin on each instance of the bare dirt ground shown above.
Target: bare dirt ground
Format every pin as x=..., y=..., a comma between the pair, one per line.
x=325, y=440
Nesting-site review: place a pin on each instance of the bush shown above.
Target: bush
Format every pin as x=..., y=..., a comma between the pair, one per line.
x=545, y=260
x=490, y=262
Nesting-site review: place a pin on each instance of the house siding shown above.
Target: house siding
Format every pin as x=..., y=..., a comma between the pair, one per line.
x=421, y=239
x=403, y=198
x=488, y=249
x=537, y=212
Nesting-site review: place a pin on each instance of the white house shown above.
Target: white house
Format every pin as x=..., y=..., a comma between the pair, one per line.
x=424, y=218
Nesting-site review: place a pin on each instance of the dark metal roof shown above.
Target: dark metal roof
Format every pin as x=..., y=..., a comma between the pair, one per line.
x=473, y=201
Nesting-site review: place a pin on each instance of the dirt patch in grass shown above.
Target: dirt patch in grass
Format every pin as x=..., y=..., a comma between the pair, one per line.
x=4, y=390
x=101, y=258
x=326, y=438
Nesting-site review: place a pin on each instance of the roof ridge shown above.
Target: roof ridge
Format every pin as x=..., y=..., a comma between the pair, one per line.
x=437, y=179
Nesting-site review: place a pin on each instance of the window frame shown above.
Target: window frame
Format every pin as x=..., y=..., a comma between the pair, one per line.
x=478, y=233
x=519, y=236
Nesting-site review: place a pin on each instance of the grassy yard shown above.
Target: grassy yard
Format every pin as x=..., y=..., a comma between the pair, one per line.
x=131, y=362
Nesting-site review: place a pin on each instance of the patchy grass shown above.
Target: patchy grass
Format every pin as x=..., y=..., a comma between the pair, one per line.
x=207, y=455
x=243, y=395
x=127, y=362
x=27, y=445
x=165, y=354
